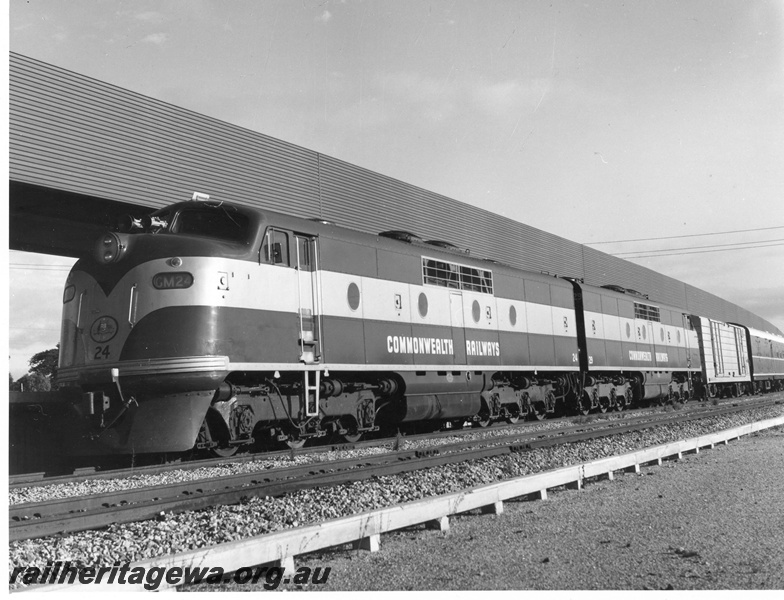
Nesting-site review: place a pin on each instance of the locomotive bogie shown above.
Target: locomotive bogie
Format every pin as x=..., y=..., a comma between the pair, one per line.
x=287, y=406
x=605, y=396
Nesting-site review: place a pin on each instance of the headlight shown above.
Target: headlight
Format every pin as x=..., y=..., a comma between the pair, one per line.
x=110, y=248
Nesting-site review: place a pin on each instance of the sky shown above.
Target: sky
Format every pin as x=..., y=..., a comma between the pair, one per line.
x=595, y=121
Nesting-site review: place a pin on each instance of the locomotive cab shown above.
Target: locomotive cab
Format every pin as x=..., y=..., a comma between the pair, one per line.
x=140, y=332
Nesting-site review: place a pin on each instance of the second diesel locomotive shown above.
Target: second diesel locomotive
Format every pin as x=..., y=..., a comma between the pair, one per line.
x=217, y=326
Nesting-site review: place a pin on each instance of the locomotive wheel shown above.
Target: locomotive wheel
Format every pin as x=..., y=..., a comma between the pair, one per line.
x=625, y=400
x=513, y=414
x=295, y=443
x=208, y=435
x=352, y=438
x=604, y=404
x=484, y=421
x=584, y=405
x=538, y=411
x=226, y=452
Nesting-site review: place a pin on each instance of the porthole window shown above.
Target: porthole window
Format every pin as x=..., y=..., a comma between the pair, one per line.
x=628, y=331
x=512, y=315
x=423, y=305
x=476, y=312
x=353, y=296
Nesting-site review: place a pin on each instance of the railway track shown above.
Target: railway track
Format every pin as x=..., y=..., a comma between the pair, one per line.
x=88, y=473
x=39, y=519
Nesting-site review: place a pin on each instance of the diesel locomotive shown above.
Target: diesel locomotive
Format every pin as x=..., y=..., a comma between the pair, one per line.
x=217, y=326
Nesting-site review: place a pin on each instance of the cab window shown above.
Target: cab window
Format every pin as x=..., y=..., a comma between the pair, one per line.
x=213, y=222
x=304, y=257
x=275, y=249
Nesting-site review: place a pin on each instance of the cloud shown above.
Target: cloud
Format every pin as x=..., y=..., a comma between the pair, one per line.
x=436, y=100
x=150, y=16
x=324, y=17
x=507, y=97
x=441, y=99
x=156, y=38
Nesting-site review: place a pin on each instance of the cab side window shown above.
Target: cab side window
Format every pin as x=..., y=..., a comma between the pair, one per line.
x=304, y=249
x=275, y=249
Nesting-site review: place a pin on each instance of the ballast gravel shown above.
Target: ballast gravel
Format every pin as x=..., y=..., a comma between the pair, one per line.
x=172, y=533
x=713, y=521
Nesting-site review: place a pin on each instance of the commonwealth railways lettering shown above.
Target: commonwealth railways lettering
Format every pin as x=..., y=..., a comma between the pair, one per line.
x=400, y=344
x=477, y=348
x=647, y=356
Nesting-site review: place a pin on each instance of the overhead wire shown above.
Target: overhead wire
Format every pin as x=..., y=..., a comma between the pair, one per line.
x=699, y=251
x=673, y=237
x=724, y=246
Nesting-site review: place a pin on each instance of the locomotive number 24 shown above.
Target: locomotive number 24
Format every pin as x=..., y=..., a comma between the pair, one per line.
x=101, y=352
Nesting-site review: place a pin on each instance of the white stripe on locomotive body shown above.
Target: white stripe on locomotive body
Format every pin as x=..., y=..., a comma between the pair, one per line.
x=249, y=286
x=273, y=288
x=613, y=328
x=377, y=303
x=660, y=337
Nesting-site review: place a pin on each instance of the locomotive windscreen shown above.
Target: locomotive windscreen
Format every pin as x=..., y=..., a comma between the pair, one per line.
x=214, y=222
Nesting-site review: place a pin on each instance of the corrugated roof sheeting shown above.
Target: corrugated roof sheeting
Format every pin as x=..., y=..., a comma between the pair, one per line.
x=365, y=200
x=603, y=269
x=710, y=305
x=74, y=133
x=77, y=134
